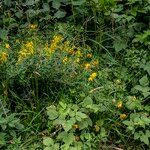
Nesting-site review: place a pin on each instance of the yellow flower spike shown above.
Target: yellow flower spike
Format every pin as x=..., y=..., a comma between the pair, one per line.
x=3, y=57
x=89, y=55
x=123, y=116
x=87, y=66
x=90, y=79
x=55, y=43
x=119, y=105
x=92, y=76
x=26, y=50
x=7, y=45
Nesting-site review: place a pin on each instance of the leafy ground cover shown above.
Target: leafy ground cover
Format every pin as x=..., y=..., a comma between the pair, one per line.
x=74, y=75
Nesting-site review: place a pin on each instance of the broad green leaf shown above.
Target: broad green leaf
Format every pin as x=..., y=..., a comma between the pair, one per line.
x=132, y=104
x=87, y=101
x=144, y=138
x=147, y=67
x=19, y=14
x=46, y=7
x=47, y=148
x=59, y=121
x=69, y=139
x=119, y=44
x=56, y=4
x=51, y=112
x=81, y=115
x=60, y=14
x=63, y=105
x=83, y=124
x=142, y=89
x=48, y=141
x=144, y=81
x=56, y=146
x=67, y=126
x=7, y=2
x=3, y=34
x=78, y=2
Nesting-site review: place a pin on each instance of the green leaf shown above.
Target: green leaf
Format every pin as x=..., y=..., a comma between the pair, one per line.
x=3, y=34
x=144, y=81
x=46, y=7
x=147, y=67
x=56, y=146
x=144, y=138
x=83, y=124
x=19, y=14
x=136, y=135
x=87, y=101
x=56, y=4
x=119, y=44
x=61, y=120
x=60, y=14
x=52, y=113
x=78, y=2
x=132, y=104
x=63, y=105
x=142, y=89
x=48, y=141
x=69, y=138
x=81, y=115
x=8, y=2
x=47, y=148
x=67, y=126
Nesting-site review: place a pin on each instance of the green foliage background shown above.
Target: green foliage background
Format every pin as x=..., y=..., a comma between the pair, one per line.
x=92, y=93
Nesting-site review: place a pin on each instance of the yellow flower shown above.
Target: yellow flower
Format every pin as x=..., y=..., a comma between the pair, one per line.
x=54, y=44
x=118, y=81
x=89, y=55
x=26, y=50
x=123, y=116
x=65, y=60
x=77, y=60
x=75, y=126
x=92, y=76
x=95, y=63
x=119, y=105
x=7, y=45
x=79, y=53
x=87, y=66
x=33, y=26
x=3, y=57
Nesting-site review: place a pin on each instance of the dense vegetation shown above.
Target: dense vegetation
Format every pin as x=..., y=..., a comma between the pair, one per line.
x=74, y=74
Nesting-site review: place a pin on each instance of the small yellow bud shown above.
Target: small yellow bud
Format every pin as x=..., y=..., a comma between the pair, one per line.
x=89, y=55
x=7, y=46
x=87, y=66
x=75, y=126
x=119, y=105
x=123, y=116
